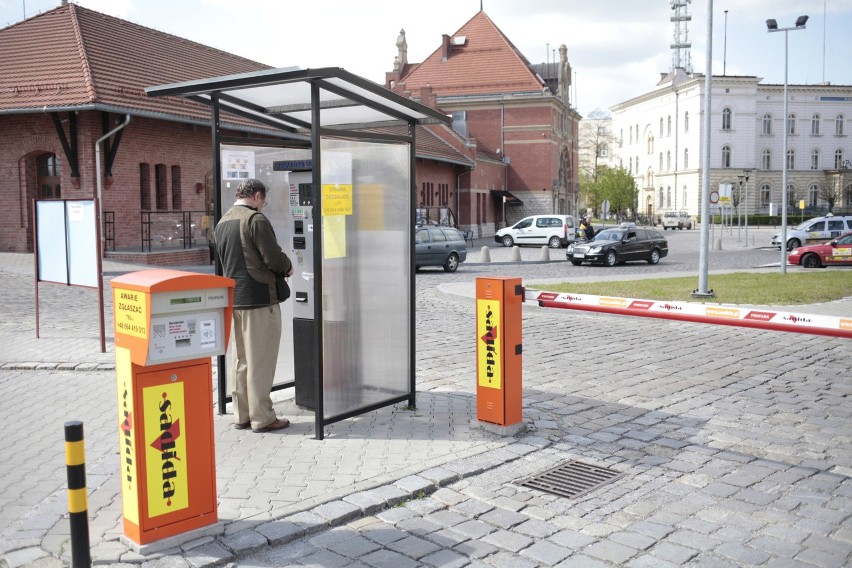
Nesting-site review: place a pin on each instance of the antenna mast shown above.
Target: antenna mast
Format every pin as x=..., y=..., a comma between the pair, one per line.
x=680, y=46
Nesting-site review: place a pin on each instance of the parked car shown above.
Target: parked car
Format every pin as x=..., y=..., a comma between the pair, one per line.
x=439, y=246
x=817, y=229
x=620, y=244
x=834, y=253
x=554, y=231
x=676, y=220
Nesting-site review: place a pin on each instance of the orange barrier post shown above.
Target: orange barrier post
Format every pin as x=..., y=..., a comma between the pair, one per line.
x=498, y=350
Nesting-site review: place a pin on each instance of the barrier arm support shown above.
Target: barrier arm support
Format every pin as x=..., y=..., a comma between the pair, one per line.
x=768, y=319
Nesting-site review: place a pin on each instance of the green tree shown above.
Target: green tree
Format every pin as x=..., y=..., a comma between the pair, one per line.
x=619, y=187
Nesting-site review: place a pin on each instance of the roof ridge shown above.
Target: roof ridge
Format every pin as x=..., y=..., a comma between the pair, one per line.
x=88, y=78
x=527, y=65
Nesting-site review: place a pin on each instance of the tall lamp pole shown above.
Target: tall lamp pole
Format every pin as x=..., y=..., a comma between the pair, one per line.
x=772, y=26
x=746, y=174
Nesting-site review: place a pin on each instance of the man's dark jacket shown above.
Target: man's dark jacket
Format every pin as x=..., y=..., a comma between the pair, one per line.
x=251, y=255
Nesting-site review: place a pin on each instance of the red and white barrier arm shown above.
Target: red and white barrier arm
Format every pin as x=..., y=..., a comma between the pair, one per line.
x=696, y=312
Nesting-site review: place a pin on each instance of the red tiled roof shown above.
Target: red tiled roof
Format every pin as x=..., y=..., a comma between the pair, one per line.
x=73, y=57
x=428, y=145
x=486, y=63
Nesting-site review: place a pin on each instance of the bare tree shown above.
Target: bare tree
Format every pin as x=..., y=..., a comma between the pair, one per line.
x=831, y=193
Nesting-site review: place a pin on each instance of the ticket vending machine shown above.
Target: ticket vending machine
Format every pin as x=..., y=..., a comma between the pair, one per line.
x=168, y=326
x=299, y=246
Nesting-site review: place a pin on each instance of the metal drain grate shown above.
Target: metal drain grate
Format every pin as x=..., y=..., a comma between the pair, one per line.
x=571, y=479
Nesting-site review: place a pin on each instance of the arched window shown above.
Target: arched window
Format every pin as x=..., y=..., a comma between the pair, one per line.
x=813, y=195
x=683, y=201
x=791, y=123
x=766, y=159
x=838, y=159
x=726, y=156
x=650, y=144
x=792, y=196
x=726, y=118
x=661, y=201
x=669, y=126
x=848, y=198
x=631, y=165
x=815, y=159
x=765, y=195
x=767, y=124
x=48, y=176
x=668, y=161
x=669, y=197
x=630, y=132
x=650, y=178
x=686, y=158
x=791, y=159
x=838, y=124
x=815, y=120
x=661, y=162
x=661, y=127
x=686, y=121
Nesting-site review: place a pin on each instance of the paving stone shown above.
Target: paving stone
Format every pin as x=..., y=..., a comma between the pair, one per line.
x=506, y=540
x=388, y=559
x=244, y=541
x=504, y=519
x=546, y=552
x=338, y=512
x=445, y=559
x=354, y=547
x=610, y=551
x=742, y=554
x=414, y=547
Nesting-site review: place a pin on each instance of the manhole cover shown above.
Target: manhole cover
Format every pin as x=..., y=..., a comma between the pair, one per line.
x=571, y=479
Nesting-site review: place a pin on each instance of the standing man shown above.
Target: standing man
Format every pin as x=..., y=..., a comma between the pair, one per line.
x=251, y=255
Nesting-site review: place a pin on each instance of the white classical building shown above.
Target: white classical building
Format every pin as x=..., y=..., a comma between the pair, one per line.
x=658, y=139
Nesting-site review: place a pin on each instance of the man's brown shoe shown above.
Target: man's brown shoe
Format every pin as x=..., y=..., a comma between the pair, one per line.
x=243, y=426
x=277, y=424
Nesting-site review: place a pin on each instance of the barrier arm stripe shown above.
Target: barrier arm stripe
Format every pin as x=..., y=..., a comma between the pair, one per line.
x=699, y=313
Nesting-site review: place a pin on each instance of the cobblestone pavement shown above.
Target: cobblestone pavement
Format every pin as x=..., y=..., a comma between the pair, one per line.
x=734, y=446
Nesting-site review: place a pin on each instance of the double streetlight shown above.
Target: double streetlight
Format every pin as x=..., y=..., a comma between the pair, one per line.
x=772, y=26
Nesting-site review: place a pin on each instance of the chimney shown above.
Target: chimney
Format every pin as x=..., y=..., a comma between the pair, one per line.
x=445, y=47
x=427, y=97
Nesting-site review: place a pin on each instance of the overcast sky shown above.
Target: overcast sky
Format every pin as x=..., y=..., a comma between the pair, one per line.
x=617, y=48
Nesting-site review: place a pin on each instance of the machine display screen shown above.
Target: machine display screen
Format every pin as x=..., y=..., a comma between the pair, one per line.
x=192, y=300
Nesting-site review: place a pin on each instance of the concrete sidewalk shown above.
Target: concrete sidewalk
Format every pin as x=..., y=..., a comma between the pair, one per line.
x=753, y=445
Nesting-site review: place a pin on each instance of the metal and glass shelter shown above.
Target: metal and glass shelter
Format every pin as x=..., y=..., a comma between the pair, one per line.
x=345, y=131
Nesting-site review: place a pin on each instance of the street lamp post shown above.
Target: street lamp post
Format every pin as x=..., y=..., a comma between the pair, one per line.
x=772, y=26
x=746, y=174
x=739, y=201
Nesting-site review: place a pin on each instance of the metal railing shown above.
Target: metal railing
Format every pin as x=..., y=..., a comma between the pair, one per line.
x=173, y=229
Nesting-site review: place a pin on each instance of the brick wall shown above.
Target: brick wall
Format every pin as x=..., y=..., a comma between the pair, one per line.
x=143, y=140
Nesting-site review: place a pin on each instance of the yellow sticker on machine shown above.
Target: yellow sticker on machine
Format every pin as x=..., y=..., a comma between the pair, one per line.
x=165, y=450
x=489, y=350
x=131, y=312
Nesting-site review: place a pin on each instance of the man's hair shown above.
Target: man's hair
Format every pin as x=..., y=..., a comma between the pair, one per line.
x=249, y=187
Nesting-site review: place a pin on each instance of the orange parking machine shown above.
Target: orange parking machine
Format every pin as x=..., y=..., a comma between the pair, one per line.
x=168, y=325
x=498, y=350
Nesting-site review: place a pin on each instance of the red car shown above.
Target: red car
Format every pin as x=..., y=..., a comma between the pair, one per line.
x=836, y=252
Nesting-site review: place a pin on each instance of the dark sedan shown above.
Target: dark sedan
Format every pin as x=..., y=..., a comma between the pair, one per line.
x=439, y=246
x=620, y=244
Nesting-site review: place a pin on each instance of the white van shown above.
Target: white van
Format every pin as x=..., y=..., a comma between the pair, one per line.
x=818, y=229
x=552, y=230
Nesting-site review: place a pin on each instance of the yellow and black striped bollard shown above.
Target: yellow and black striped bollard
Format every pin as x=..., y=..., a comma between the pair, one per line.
x=78, y=507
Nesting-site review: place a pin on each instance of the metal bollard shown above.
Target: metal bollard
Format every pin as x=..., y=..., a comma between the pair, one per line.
x=78, y=508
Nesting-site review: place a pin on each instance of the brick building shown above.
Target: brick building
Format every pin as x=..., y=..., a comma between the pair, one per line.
x=72, y=76
x=512, y=113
